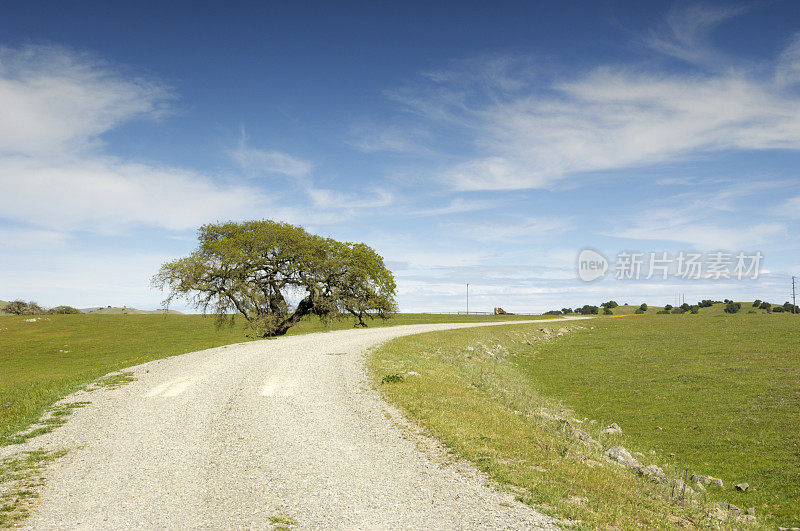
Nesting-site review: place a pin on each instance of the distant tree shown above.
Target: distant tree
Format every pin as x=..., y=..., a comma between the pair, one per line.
x=252, y=268
x=20, y=307
x=553, y=312
x=609, y=304
x=678, y=310
x=588, y=310
x=643, y=307
x=566, y=310
x=789, y=307
x=756, y=303
x=695, y=309
x=64, y=310
x=727, y=301
x=668, y=307
x=607, y=311
x=706, y=303
x=732, y=307
x=765, y=306
x=685, y=307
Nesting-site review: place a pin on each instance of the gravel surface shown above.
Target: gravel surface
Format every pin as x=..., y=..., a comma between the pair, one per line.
x=231, y=436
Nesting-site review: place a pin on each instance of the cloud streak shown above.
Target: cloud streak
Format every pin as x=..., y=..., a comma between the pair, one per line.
x=526, y=131
x=55, y=100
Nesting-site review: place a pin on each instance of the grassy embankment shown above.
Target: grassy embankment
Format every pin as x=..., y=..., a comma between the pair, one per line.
x=45, y=360
x=713, y=394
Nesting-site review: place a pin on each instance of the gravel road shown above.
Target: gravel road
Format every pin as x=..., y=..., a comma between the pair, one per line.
x=231, y=436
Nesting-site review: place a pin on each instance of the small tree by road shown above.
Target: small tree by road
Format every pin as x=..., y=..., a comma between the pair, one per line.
x=254, y=268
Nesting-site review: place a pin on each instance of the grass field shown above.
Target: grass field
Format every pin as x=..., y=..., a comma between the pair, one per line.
x=712, y=394
x=45, y=360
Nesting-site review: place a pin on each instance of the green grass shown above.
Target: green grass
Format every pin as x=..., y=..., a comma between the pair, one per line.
x=20, y=476
x=43, y=361
x=723, y=389
x=281, y=521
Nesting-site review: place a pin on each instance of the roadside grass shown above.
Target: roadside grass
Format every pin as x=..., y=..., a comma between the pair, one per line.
x=721, y=392
x=463, y=387
x=20, y=476
x=707, y=394
x=43, y=361
x=281, y=521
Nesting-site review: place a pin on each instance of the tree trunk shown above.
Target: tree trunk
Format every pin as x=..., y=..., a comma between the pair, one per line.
x=303, y=309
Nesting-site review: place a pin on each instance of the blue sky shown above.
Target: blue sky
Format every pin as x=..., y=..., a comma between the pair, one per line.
x=465, y=141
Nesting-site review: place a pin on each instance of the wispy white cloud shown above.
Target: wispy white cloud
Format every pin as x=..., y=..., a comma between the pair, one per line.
x=704, y=221
x=56, y=105
x=456, y=206
x=508, y=229
x=25, y=237
x=54, y=99
x=326, y=198
x=263, y=162
x=688, y=30
x=513, y=129
x=789, y=208
x=788, y=70
x=105, y=194
x=706, y=235
x=372, y=139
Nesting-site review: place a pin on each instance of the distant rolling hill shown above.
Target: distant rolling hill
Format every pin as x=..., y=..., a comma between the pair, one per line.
x=107, y=310
x=112, y=310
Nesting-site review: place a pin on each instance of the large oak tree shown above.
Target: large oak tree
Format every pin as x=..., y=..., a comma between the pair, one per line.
x=256, y=268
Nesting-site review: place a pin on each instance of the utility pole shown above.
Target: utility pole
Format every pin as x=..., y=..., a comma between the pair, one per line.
x=467, y=298
x=794, y=297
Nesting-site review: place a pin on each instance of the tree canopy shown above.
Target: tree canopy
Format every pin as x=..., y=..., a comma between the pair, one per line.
x=255, y=268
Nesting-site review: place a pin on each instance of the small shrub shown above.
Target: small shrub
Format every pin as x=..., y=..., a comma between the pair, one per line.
x=392, y=378
x=639, y=311
x=765, y=306
x=706, y=303
x=695, y=309
x=64, y=310
x=607, y=311
x=678, y=310
x=756, y=303
x=732, y=307
x=610, y=304
x=643, y=307
x=778, y=309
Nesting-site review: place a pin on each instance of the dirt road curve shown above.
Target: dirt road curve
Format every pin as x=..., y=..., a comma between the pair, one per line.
x=231, y=436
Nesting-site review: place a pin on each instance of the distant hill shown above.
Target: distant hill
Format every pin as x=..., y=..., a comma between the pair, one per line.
x=108, y=310
x=112, y=310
